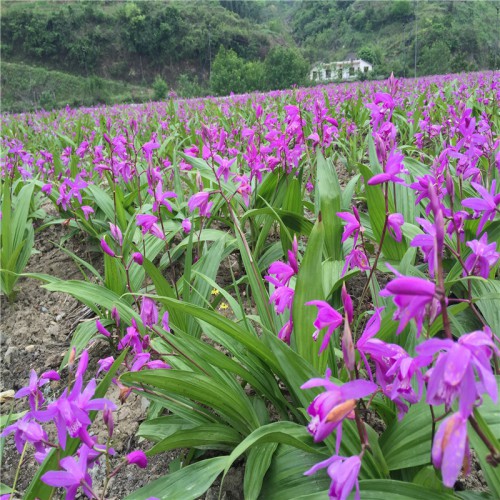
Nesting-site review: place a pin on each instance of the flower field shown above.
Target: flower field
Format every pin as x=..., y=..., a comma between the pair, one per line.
x=303, y=283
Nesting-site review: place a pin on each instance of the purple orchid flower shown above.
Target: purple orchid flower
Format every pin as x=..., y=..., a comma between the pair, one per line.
x=415, y=298
x=161, y=197
x=453, y=375
x=200, y=200
x=282, y=297
x=107, y=249
x=73, y=477
x=356, y=258
x=343, y=473
x=487, y=203
x=35, y=396
x=138, y=458
x=353, y=224
x=394, y=223
x=483, y=257
x=285, y=332
x=329, y=409
x=450, y=450
x=392, y=169
x=70, y=410
x=149, y=312
x=132, y=338
x=25, y=431
x=328, y=318
x=148, y=224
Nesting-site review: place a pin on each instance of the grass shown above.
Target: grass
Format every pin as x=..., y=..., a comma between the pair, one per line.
x=25, y=87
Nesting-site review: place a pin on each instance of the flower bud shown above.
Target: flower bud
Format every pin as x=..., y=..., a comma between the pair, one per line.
x=106, y=248
x=101, y=329
x=116, y=316
x=138, y=458
x=107, y=416
x=138, y=258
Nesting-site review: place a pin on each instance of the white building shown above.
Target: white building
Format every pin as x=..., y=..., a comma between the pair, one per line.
x=339, y=70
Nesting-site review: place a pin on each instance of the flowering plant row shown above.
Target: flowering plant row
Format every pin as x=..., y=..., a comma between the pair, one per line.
x=358, y=329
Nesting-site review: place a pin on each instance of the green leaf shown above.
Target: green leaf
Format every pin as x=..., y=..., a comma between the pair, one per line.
x=309, y=287
x=285, y=477
x=278, y=432
x=187, y=483
x=258, y=462
x=407, y=443
x=488, y=292
x=296, y=223
x=383, y=489
x=234, y=407
x=223, y=324
x=330, y=197
x=208, y=436
x=93, y=295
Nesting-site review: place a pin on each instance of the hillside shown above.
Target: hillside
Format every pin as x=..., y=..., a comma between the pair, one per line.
x=135, y=43
x=26, y=87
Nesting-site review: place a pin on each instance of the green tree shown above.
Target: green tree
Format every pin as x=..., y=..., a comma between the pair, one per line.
x=228, y=73
x=160, y=88
x=435, y=59
x=284, y=67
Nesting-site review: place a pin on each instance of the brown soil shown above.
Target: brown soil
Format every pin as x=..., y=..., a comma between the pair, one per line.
x=35, y=334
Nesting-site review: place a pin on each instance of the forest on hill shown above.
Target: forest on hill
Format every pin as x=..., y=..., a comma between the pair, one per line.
x=214, y=47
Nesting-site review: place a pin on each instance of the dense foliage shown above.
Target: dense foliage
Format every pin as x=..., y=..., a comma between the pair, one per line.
x=305, y=279
x=179, y=42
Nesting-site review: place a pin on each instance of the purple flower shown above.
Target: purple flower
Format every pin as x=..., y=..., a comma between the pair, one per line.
x=428, y=243
x=285, y=332
x=149, y=312
x=394, y=223
x=149, y=147
x=415, y=298
x=132, y=338
x=200, y=200
x=27, y=431
x=101, y=329
x=483, y=257
x=138, y=258
x=35, y=396
x=343, y=473
x=105, y=364
x=106, y=248
x=87, y=211
x=186, y=225
x=450, y=450
x=282, y=298
x=147, y=223
x=116, y=233
x=164, y=322
x=487, y=203
x=393, y=168
x=328, y=318
x=74, y=475
x=138, y=458
x=224, y=168
x=357, y=258
x=70, y=412
x=330, y=408
x=347, y=303
x=161, y=197
x=453, y=375
x=353, y=224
